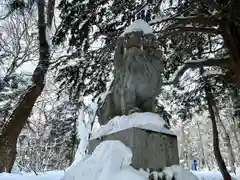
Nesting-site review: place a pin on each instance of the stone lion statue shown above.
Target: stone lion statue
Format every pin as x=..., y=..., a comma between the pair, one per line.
x=137, y=77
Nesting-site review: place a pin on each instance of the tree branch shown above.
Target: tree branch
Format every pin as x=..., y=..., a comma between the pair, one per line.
x=200, y=19
x=191, y=64
x=179, y=20
x=174, y=31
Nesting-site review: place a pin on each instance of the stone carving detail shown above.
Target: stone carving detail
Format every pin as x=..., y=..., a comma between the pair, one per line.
x=137, y=76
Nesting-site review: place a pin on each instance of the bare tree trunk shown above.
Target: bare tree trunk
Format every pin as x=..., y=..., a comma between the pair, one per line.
x=234, y=100
x=236, y=138
x=189, y=159
x=226, y=139
x=19, y=116
x=74, y=144
x=183, y=141
x=216, y=149
x=204, y=161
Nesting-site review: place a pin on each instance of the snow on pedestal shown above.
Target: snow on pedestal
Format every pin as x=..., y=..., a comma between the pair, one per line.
x=153, y=145
x=147, y=120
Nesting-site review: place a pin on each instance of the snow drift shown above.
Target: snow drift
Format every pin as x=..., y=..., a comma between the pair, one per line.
x=110, y=160
x=178, y=172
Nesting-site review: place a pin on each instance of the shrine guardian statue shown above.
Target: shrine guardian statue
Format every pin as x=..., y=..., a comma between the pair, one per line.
x=137, y=76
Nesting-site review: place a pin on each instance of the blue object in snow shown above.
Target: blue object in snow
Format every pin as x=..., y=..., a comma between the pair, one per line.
x=195, y=164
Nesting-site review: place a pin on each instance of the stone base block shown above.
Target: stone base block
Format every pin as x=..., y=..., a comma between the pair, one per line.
x=150, y=149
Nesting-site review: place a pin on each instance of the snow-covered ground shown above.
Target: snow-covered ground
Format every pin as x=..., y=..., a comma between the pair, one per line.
x=111, y=160
x=51, y=175
x=57, y=175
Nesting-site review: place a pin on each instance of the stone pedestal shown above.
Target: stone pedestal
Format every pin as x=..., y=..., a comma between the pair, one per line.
x=150, y=149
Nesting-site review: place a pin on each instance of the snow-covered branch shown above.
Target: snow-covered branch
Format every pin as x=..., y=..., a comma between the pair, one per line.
x=191, y=64
x=183, y=24
x=190, y=29
x=180, y=20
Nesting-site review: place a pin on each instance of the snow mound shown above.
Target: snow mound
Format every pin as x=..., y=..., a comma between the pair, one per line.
x=178, y=172
x=147, y=120
x=212, y=175
x=138, y=25
x=110, y=160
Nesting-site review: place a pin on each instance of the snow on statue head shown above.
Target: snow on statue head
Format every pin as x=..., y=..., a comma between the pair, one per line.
x=137, y=75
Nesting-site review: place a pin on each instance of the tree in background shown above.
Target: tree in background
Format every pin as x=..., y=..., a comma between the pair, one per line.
x=20, y=114
x=63, y=134
x=18, y=47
